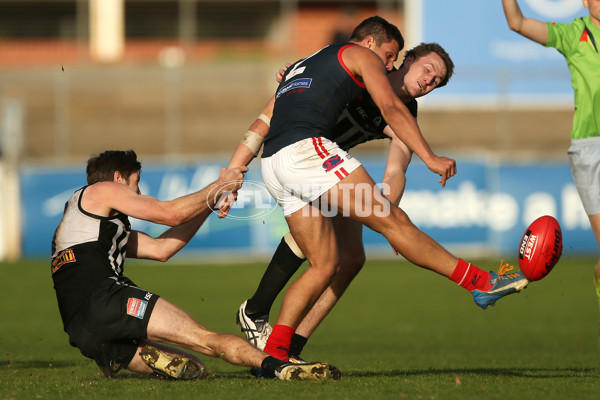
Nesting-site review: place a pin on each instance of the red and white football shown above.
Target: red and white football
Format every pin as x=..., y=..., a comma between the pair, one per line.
x=540, y=248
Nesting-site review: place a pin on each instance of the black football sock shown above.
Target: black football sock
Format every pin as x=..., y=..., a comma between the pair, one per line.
x=297, y=345
x=271, y=364
x=282, y=267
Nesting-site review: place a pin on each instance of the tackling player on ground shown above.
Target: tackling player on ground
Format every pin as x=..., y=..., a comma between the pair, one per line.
x=108, y=317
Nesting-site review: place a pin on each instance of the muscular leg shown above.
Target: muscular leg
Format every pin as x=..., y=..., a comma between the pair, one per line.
x=171, y=325
x=315, y=236
x=374, y=211
x=352, y=258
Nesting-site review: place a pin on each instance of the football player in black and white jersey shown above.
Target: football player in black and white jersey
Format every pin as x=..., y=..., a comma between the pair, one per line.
x=108, y=317
x=360, y=122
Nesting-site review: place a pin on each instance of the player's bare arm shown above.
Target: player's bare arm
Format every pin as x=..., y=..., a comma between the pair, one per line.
x=252, y=140
x=162, y=248
x=248, y=148
x=367, y=65
x=528, y=27
x=103, y=198
x=394, y=177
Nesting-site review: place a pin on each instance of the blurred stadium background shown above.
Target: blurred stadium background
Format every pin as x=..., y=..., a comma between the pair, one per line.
x=179, y=81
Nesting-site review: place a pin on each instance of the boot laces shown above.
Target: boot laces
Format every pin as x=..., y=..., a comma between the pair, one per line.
x=504, y=270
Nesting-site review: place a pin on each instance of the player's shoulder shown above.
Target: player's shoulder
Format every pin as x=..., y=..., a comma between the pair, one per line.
x=357, y=57
x=355, y=49
x=576, y=25
x=104, y=189
x=358, y=51
x=102, y=185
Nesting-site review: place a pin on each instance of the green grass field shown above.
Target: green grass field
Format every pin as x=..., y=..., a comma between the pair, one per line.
x=399, y=332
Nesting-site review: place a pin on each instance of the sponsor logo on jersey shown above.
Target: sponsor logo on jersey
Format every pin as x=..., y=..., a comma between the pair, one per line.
x=66, y=256
x=332, y=162
x=295, y=85
x=136, y=307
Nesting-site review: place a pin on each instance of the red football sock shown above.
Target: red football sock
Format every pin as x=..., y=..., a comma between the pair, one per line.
x=278, y=344
x=471, y=277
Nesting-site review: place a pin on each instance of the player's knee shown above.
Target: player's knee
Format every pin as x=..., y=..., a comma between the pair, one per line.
x=393, y=220
x=396, y=220
x=324, y=270
x=352, y=263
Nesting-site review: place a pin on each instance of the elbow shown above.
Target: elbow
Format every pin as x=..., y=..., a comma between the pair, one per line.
x=169, y=214
x=515, y=24
x=394, y=107
x=162, y=258
x=161, y=254
x=174, y=219
x=155, y=256
x=514, y=27
x=389, y=111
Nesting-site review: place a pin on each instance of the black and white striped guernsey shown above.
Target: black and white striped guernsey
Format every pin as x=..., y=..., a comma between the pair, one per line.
x=86, y=249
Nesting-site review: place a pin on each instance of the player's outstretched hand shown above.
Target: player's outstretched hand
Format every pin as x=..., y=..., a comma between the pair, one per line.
x=226, y=203
x=443, y=166
x=280, y=73
x=231, y=180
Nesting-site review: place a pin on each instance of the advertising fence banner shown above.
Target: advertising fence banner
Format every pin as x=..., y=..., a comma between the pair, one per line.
x=484, y=209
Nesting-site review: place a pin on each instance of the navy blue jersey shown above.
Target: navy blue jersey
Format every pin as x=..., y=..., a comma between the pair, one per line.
x=361, y=122
x=311, y=96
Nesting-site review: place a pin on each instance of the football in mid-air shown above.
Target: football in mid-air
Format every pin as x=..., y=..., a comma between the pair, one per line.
x=540, y=248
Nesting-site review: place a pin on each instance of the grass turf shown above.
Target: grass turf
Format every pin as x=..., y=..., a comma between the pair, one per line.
x=399, y=332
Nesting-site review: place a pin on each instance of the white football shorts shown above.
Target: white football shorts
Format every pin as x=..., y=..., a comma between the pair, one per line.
x=301, y=172
x=584, y=157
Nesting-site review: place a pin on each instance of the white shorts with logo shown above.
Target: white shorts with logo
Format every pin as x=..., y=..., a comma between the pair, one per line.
x=301, y=172
x=584, y=157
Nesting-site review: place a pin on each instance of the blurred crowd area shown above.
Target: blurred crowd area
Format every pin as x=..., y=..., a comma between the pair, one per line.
x=193, y=74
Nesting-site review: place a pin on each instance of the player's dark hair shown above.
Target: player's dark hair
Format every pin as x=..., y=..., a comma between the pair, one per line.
x=425, y=48
x=381, y=30
x=102, y=167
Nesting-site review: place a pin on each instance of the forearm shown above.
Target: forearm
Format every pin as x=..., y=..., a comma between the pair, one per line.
x=393, y=187
x=242, y=155
x=513, y=14
x=175, y=238
x=167, y=244
x=196, y=204
x=394, y=177
x=406, y=129
x=251, y=142
x=528, y=27
x=200, y=203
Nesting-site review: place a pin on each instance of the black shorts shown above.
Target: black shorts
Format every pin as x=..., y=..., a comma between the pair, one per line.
x=111, y=322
